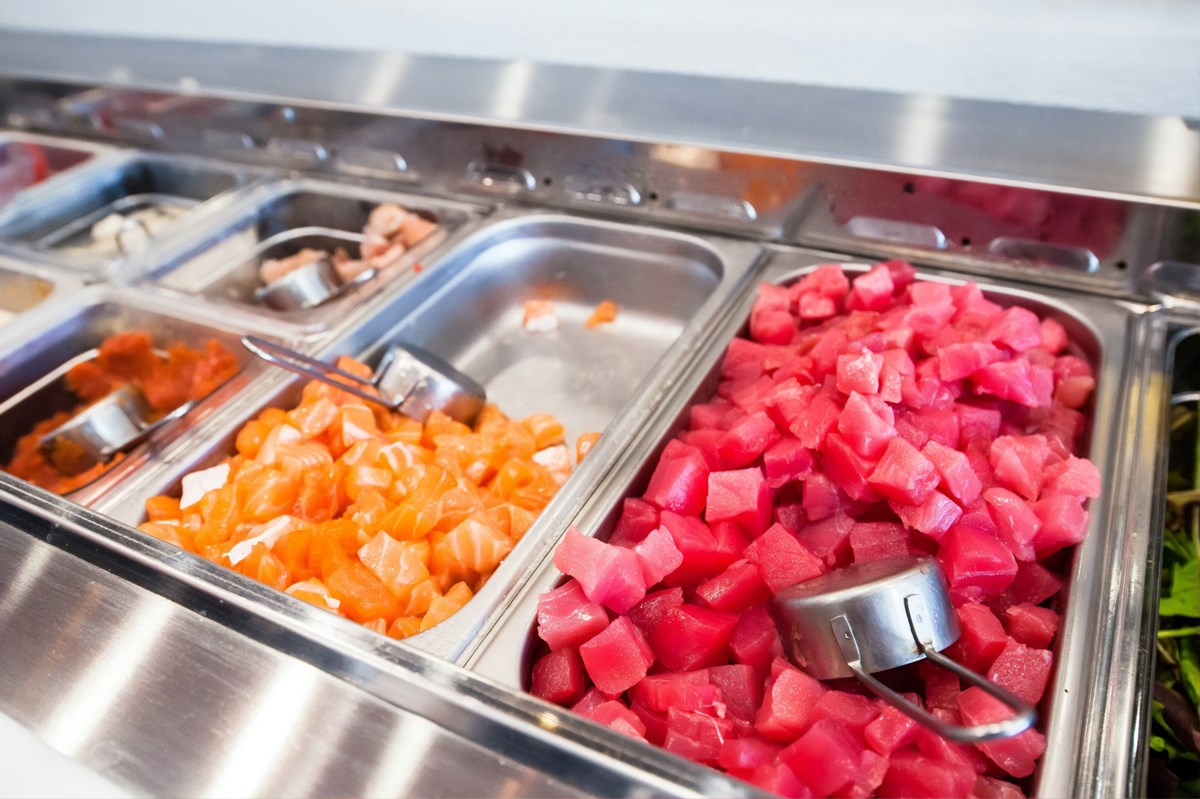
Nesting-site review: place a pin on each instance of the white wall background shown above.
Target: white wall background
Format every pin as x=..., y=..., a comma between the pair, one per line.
x=1138, y=56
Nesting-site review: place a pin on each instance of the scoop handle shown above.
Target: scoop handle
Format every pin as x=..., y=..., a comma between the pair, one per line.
x=293, y=361
x=1023, y=714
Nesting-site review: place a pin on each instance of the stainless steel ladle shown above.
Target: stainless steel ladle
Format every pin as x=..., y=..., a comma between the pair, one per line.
x=98, y=432
x=879, y=615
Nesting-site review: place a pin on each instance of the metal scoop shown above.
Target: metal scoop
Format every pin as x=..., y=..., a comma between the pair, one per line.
x=408, y=380
x=308, y=286
x=877, y=616
x=101, y=430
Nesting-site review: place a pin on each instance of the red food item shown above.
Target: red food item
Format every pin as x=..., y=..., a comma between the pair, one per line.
x=1017, y=756
x=860, y=421
x=608, y=575
x=559, y=677
x=567, y=618
x=617, y=658
x=1031, y=625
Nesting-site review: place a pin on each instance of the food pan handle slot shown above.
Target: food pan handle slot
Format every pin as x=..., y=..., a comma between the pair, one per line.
x=1022, y=719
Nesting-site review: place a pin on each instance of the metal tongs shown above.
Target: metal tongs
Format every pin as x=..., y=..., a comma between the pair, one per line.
x=408, y=380
x=308, y=286
x=879, y=615
x=98, y=432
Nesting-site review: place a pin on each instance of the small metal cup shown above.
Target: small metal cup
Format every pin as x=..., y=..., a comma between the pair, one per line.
x=304, y=287
x=101, y=430
x=408, y=380
x=879, y=615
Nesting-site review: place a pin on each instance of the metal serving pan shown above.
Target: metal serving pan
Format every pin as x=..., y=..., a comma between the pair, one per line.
x=57, y=157
x=1106, y=334
x=468, y=311
x=76, y=324
x=287, y=217
x=58, y=226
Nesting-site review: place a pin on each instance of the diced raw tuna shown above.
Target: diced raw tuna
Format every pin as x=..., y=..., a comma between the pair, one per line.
x=822, y=498
x=680, y=481
x=781, y=559
x=816, y=420
x=911, y=775
x=559, y=677
x=703, y=556
x=898, y=370
x=1054, y=336
x=931, y=308
x=941, y=687
x=1016, y=328
x=609, y=575
x=740, y=496
x=770, y=320
x=877, y=540
x=708, y=442
x=708, y=415
x=734, y=590
x=1064, y=523
x=1022, y=670
x=872, y=291
x=692, y=637
x=983, y=637
x=992, y=788
x=689, y=690
x=1034, y=583
x=747, y=439
x=1073, y=392
x=650, y=610
x=847, y=468
x=933, y=517
x=827, y=280
x=872, y=769
x=1017, y=381
x=903, y=474
x=740, y=755
x=892, y=730
x=1031, y=625
x=755, y=639
x=744, y=360
x=1018, y=463
x=977, y=565
x=859, y=373
x=567, y=618
x=616, y=716
x=977, y=424
x=658, y=556
x=955, y=471
x=867, y=428
x=778, y=779
x=788, y=703
x=785, y=461
x=741, y=688
x=1016, y=522
x=617, y=658
x=825, y=758
x=696, y=736
x=1016, y=756
x=961, y=360
x=852, y=711
x=828, y=539
x=638, y=518
x=1076, y=477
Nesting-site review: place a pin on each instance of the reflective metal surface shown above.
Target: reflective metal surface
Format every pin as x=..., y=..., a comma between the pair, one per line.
x=1150, y=156
x=175, y=676
x=175, y=692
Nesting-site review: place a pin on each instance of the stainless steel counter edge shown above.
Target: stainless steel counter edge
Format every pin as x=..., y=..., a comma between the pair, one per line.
x=517, y=728
x=1152, y=157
